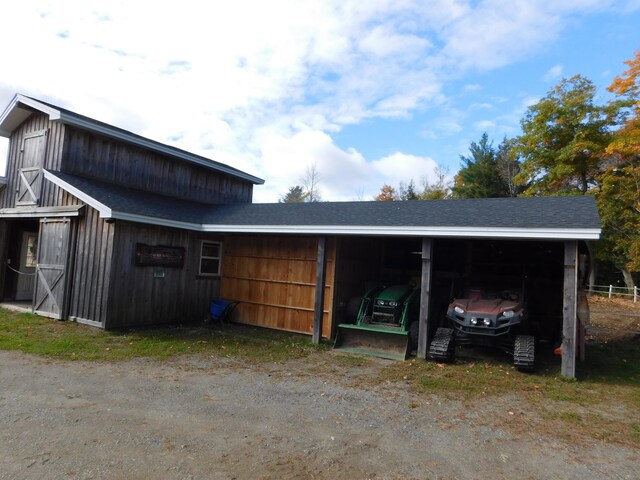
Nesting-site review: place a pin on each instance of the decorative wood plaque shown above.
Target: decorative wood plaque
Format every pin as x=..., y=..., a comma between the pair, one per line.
x=159, y=256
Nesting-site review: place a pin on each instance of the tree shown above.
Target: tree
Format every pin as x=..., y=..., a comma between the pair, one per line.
x=310, y=182
x=408, y=192
x=387, y=194
x=480, y=175
x=438, y=190
x=619, y=206
x=294, y=195
x=564, y=139
x=509, y=166
x=619, y=193
x=626, y=140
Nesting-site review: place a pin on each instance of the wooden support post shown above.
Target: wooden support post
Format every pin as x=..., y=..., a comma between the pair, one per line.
x=569, y=311
x=321, y=273
x=4, y=247
x=425, y=294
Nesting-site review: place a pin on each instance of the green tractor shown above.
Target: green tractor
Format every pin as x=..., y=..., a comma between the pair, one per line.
x=386, y=325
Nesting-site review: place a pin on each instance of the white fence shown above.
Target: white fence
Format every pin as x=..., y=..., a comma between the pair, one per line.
x=611, y=290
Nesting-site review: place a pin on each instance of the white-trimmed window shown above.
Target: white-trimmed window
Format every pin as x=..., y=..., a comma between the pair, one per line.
x=210, y=258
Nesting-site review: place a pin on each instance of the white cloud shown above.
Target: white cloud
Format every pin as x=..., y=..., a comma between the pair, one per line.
x=481, y=106
x=554, y=73
x=484, y=125
x=263, y=85
x=344, y=175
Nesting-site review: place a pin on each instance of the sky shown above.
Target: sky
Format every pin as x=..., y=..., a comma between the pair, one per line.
x=363, y=92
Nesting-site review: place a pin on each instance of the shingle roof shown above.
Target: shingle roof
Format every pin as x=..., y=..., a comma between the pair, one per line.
x=533, y=217
x=535, y=212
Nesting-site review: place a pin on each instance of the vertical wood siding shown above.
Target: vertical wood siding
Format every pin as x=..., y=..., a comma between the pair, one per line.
x=138, y=297
x=274, y=279
x=4, y=245
x=127, y=165
x=91, y=270
x=50, y=194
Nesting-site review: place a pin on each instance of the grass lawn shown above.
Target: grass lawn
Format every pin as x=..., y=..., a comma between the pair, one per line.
x=71, y=341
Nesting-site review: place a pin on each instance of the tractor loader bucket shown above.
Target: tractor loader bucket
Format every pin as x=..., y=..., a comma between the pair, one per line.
x=375, y=341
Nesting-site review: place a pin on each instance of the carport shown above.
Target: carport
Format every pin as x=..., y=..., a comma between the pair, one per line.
x=439, y=241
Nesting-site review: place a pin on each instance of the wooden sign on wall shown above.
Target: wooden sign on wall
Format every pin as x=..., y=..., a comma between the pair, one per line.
x=159, y=256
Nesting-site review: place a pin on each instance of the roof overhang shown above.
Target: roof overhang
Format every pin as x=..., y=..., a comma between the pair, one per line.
x=22, y=106
x=338, y=230
x=421, y=231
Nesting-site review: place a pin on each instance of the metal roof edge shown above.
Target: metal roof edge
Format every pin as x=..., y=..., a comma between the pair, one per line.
x=104, y=210
x=413, y=231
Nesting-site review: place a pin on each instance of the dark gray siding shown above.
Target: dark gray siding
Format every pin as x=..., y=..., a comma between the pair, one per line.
x=50, y=195
x=92, y=156
x=4, y=245
x=91, y=267
x=139, y=297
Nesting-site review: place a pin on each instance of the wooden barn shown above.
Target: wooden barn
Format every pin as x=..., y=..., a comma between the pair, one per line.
x=104, y=227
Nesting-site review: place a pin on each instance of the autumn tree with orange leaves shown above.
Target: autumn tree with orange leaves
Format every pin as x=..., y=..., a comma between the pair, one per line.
x=619, y=193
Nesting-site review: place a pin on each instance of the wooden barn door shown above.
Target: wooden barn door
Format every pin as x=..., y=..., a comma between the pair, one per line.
x=53, y=251
x=34, y=147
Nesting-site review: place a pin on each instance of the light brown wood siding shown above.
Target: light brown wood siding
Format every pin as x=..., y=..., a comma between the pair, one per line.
x=91, y=260
x=274, y=279
x=123, y=164
x=50, y=195
x=140, y=296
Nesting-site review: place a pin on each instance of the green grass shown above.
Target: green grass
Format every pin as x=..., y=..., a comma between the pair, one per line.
x=71, y=341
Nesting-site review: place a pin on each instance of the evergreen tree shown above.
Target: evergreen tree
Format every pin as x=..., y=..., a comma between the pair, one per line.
x=480, y=175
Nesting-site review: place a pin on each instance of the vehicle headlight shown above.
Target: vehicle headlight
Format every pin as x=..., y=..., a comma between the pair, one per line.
x=508, y=313
x=458, y=310
x=486, y=321
x=380, y=302
x=393, y=304
x=474, y=321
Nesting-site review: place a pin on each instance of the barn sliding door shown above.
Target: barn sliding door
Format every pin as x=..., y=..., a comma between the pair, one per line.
x=53, y=251
x=34, y=147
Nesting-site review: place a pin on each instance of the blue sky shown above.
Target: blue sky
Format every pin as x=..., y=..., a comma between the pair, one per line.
x=368, y=92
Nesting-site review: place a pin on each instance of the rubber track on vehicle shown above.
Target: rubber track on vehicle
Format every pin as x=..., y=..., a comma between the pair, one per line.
x=441, y=347
x=524, y=352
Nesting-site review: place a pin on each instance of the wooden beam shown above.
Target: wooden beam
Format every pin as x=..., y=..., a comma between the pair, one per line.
x=569, y=310
x=4, y=246
x=321, y=273
x=425, y=295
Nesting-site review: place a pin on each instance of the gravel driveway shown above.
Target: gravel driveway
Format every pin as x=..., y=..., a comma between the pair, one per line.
x=210, y=418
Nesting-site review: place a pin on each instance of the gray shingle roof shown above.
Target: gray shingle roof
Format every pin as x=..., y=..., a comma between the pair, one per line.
x=532, y=213
x=536, y=212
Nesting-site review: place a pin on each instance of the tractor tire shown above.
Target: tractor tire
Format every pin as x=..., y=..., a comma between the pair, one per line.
x=351, y=312
x=413, y=334
x=442, y=348
x=524, y=353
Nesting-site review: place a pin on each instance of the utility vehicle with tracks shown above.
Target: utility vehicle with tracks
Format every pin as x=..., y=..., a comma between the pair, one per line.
x=489, y=319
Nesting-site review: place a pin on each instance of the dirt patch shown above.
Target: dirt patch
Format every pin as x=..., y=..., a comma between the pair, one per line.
x=323, y=416
x=614, y=318
x=201, y=417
